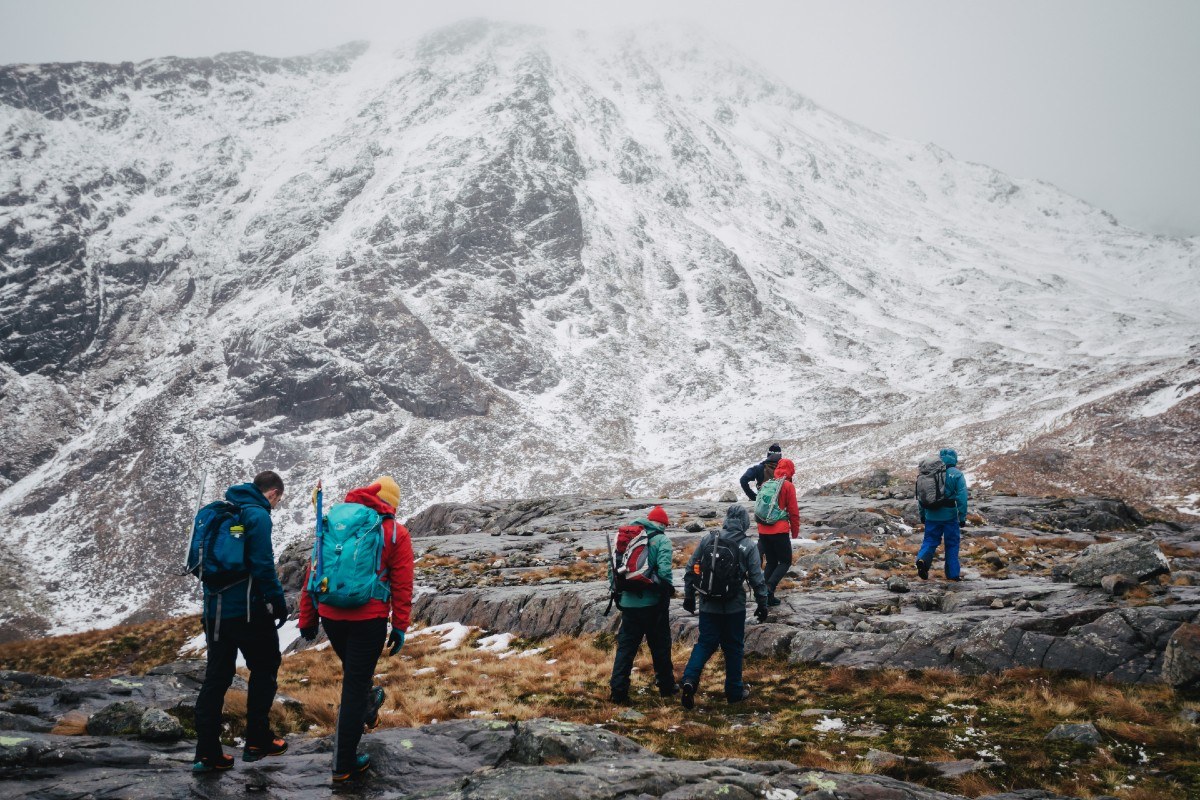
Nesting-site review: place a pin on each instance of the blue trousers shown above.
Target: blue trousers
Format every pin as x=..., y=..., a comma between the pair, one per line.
x=935, y=532
x=727, y=632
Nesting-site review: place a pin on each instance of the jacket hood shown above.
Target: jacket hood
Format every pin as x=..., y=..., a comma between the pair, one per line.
x=948, y=456
x=247, y=494
x=785, y=468
x=650, y=525
x=369, y=497
x=737, y=521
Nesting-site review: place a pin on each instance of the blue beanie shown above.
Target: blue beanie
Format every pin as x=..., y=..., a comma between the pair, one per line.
x=948, y=456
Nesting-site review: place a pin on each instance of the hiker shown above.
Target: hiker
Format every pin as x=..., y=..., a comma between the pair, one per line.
x=777, y=514
x=353, y=598
x=717, y=571
x=941, y=493
x=243, y=616
x=761, y=472
x=644, y=601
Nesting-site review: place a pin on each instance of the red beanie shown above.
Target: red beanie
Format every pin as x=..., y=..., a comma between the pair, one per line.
x=658, y=515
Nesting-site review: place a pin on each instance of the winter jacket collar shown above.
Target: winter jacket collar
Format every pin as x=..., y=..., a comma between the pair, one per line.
x=369, y=497
x=247, y=494
x=651, y=527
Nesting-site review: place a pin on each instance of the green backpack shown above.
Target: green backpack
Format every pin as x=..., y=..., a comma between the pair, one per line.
x=766, y=505
x=347, y=560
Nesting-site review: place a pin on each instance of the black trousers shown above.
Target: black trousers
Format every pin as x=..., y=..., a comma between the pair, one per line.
x=358, y=644
x=258, y=642
x=650, y=623
x=776, y=550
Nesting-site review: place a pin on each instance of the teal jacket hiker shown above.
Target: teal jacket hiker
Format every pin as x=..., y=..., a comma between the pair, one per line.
x=956, y=490
x=660, y=555
x=262, y=587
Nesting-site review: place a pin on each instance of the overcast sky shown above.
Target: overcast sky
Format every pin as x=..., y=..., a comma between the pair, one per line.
x=1101, y=97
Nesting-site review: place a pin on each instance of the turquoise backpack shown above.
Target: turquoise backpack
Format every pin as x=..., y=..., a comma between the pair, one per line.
x=766, y=505
x=347, y=559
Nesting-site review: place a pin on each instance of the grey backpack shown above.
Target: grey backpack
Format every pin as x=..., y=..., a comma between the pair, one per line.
x=931, y=484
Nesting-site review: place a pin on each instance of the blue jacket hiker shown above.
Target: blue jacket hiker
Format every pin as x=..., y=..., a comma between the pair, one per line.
x=644, y=611
x=944, y=520
x=243, y=617
x=718, y=571
x=761, y=472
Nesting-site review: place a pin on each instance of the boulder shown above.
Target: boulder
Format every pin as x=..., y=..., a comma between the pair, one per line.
x=1181, y=659
x=897, y=584
x=728, y=496
x=1137, y=558
x=1117, y=585
x=157, y=725
x=825, y=561
x=116, y=719
x=1084, y=733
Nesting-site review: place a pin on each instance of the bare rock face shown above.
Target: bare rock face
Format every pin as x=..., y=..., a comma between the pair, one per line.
x=541, y=758
x=846, y=605
x=1140, y=560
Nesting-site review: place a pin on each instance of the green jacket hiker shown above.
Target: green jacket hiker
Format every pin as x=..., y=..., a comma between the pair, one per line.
x=644, y=602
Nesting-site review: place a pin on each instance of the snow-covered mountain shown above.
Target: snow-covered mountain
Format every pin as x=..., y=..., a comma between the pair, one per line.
x=502, y=261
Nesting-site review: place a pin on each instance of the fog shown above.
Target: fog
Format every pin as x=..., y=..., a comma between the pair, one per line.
x=1096, y=96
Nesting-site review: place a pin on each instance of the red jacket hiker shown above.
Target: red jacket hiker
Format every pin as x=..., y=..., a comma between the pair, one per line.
x=787, y=501
x=397, y=561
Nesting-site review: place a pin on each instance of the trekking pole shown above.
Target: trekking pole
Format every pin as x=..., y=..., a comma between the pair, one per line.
x=612, y=568
x=187, y=550
x=318, y=562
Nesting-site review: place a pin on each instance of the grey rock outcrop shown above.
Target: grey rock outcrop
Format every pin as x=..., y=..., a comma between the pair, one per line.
x=1140, y=560
x=852, y=616
x=540, y=758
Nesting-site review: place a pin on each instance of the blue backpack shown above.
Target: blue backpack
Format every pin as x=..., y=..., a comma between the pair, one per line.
x=347, y=558
x=217, y=554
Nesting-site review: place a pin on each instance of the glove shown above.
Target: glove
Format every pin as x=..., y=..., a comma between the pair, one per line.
x=760, y=613
x=667, y=590
x=796, y=535
x=395, y=641
x=689, y=604
x=309, y=633
x=279, y=612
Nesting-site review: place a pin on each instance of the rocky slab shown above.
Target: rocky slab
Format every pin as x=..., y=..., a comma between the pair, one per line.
x=534, y=760
x=849, y=607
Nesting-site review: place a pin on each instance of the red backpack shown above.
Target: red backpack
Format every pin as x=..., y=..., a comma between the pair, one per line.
x=631, y=563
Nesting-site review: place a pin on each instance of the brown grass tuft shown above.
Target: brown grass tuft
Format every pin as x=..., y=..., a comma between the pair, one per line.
x=73, y=723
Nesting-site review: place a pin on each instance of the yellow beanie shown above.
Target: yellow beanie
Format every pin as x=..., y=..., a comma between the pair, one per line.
x=389, y=491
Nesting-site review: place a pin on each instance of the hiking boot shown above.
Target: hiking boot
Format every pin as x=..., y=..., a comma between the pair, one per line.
x=772, y=600
x=956, y=580
x=362, y=763
x=687, y=695
x=745, y=695
x=922, y=569
x=374, y=703
x=276, y=747
x=212, y=764
x=621, y=698
x=670, y=691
